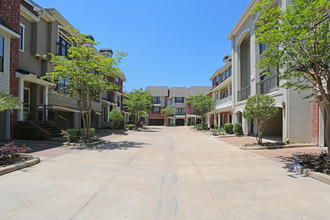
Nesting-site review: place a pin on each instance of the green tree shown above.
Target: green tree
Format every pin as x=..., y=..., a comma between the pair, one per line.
x=260, y=108
x=201, y=104
x=297, y=41
x=116, y=118
x=87, y=72
x=168, y=112
x=8, y=101
x=138, y=103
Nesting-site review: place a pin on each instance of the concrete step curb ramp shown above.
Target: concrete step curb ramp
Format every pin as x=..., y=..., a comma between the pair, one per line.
x=316, y=175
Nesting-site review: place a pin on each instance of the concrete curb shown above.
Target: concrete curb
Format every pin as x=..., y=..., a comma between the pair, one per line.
x=230, y=135
x=316, y=175
x=277, y=147
x=14, y=167
x=83, y=144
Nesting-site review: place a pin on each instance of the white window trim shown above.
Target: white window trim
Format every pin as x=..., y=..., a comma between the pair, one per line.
x=23, y=34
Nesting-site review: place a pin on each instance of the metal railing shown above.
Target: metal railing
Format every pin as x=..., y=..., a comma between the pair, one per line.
x=268, y=85
x=224, y=102
x=244, y=94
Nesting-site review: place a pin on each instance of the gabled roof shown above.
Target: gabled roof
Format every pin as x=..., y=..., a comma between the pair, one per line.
x=196, y=90
x=241, y=21
x=180, y=92
x=158, y=90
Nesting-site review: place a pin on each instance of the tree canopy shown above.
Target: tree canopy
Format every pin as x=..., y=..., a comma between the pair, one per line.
x=8, y=101
x=260, y=108
x=138, y=103
x=201, y=105
x=297, y=40
x=84, y=74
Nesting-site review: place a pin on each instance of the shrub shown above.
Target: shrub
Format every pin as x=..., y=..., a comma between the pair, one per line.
x=116, y=118
x=221, y=131
x=238, y=128
x=9, y=153
x=27, y=133
x=202, y=126
x=229, y=128
x=215, y=132
x=216, y=127
x=130, y=126
x=78, y=134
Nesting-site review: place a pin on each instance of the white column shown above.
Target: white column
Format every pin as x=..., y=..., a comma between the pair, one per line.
x=108, y=112
x=215, y=119
x=209, y=121
x=253, y=62
x=45, y=101
x=7, y=124
x=21, y=97
x=219, y=118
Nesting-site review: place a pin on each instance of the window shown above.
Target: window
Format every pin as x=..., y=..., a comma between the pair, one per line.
x=21, y=39
x=118, y=100
x=63, y=46
x=63, y=85
x=105, y=113
x=2, y=52
x=262, y=48
x=223, y=77
x=157, y=100
x=180, y=111
x=227, y=74
x=156, y=110
x=230, y=71
x=218, y=79
x=117, y=81
x=179, y=100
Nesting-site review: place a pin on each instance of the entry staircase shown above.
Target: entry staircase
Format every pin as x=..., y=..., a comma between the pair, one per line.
x=50, y=131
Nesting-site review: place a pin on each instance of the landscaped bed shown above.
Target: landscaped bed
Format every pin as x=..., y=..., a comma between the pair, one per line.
x=13, y=157
x=318, y=162
x=274, y=145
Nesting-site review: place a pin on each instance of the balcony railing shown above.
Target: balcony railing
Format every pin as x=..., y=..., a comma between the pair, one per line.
x=244, y=94
x=223, y=102
x=180, y=113
x=268, y=85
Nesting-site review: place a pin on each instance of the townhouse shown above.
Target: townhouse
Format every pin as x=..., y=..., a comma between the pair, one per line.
x=9, y=41
x=298, y=120
x=42, y=31
x=221, y=92
x=176, y=97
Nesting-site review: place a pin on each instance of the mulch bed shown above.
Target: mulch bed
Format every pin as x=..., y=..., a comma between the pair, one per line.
x=14, y=159
x=318, y=162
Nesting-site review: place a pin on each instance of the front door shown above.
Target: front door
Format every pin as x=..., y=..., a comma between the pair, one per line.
x=26, y=104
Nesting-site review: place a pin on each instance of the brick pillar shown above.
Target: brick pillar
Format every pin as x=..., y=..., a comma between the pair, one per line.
x=10, y=13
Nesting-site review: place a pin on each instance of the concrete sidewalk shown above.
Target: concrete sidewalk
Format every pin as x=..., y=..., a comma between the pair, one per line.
x=161, y=173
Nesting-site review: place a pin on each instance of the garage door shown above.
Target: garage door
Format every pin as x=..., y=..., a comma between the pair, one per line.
x=179, y=122
x=156, y=121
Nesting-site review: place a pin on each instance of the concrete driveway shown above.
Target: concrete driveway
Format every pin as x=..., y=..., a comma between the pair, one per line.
x=161, y=173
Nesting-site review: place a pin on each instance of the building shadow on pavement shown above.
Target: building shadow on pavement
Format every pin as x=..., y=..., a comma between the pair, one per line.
x=35, y=146
x=108, y=145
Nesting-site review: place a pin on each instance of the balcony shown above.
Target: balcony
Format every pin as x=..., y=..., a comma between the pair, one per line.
x=244, y=94
x=224, y=102
x=268, y=85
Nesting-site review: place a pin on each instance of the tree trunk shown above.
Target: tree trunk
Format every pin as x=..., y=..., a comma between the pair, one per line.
x=327, y=127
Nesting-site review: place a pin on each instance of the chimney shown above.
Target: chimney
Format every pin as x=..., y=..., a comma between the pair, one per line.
x=107, y=52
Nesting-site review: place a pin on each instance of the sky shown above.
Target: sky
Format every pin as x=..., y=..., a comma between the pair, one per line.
x=170, y=42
